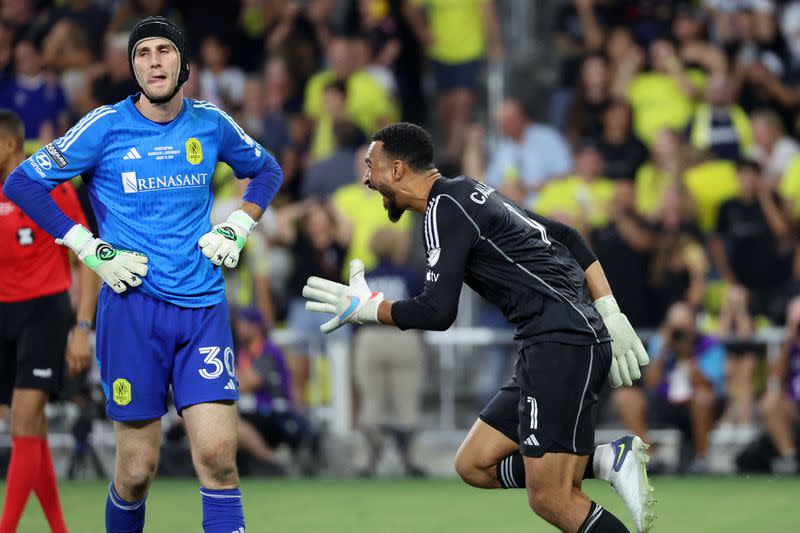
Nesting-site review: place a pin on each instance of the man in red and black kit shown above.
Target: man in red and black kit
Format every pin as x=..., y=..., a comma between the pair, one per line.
x=35, y=320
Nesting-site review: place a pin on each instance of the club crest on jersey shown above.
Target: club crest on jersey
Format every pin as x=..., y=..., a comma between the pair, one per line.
x=194, y=151
x=433, y=257
x=122, y=391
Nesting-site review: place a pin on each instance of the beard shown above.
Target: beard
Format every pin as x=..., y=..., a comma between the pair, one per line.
x=392, y=210
x=159, y=99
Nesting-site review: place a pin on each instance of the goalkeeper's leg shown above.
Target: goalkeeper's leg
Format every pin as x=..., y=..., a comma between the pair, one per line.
x=212, y=435
x=137, y=457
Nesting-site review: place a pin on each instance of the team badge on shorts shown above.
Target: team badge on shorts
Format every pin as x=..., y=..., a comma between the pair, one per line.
x=122, y=391
x=194, y=151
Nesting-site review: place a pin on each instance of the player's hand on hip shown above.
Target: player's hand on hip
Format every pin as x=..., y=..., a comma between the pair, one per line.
x=628, y=353
x=225, y=241
x=354, y=303
x=120, y=269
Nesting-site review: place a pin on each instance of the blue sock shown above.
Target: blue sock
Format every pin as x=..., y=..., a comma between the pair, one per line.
x=222, y=511
x=123, y=516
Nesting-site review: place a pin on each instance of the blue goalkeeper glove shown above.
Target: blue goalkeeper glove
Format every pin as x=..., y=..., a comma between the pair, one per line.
x=353, y=303
x=224, y=242
x=120, y=269
x=628, y=353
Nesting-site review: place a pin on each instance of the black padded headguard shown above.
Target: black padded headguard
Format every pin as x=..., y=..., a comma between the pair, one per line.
x=150, y=27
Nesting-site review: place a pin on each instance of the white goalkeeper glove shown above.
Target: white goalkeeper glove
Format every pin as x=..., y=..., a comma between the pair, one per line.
x=628, y=353
x=354, y=303
x=120, y=269
x=224, y=242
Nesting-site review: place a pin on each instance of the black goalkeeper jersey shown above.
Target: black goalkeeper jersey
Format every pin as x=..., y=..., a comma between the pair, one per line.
x=515, y=259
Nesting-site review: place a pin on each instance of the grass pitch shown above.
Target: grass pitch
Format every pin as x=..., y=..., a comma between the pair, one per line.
x=707, y=505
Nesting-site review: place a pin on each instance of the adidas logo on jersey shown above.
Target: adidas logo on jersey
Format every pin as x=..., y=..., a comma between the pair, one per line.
x=230, y=385
x=133, y=153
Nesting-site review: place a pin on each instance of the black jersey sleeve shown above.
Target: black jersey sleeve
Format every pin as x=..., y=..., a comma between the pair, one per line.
x=569, y=237
x=449, y=237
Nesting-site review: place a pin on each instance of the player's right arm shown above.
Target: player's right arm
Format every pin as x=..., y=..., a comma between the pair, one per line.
x=29, y=187
x=448, y=245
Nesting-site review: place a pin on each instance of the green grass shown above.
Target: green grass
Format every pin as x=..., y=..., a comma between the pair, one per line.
x=757, y=504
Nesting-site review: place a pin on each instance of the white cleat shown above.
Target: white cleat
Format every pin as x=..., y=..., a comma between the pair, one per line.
x=628, y=478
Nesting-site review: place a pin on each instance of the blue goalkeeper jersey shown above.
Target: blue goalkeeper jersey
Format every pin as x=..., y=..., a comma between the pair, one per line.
x=150, y=187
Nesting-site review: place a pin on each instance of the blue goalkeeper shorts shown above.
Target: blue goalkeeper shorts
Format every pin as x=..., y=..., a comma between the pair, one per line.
x=144, y=345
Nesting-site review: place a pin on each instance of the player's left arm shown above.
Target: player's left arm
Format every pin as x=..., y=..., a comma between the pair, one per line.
x=627, y=349
x=247, y=158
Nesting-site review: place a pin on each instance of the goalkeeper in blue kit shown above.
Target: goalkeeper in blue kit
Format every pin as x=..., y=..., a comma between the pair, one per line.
x=162, y=319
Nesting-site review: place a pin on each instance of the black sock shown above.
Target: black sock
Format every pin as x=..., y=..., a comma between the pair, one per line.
x=600, y=520
x=511, y=472
x=589, y=472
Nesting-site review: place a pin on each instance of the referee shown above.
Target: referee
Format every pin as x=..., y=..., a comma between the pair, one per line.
x=35, y=321
x=538, y=431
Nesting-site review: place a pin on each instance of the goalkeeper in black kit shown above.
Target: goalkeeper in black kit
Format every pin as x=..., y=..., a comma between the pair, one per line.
x=538, y=431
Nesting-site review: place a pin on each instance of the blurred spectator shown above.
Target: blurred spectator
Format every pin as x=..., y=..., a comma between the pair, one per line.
x=86, y=15
x=623, y=247
x=319, y=238
x=720, y=125
x=269, y=417
x=334, y=98
x=325, y=177
x=113, y=81
x=299, y=32
x=662, y=96
x=456, y=36
x=250, y=284
x=751, y=246
x=277, y=103
x=34, y=95
x=780, y=403
x=66, y=50
x=6, y=50
x=528, y=154
x=689, y=34
x=581, y=199
x=385, y=23
x=363, y=209
x=19, y=15
x=129, y=12
x=622, y=152
x=581, y=30
x=365, y=58
x=684, y=384
x=389, y=364
x=220, y=83
x=678, y=265
x=367, y=104
x=665, y=168
x=773, y=149
x=585, y=116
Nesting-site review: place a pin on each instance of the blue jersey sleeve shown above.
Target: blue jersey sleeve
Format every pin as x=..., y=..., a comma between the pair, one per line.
x=236, y=148
x=74, y=153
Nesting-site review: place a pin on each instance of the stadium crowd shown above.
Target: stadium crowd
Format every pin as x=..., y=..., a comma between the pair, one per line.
x=671, y=144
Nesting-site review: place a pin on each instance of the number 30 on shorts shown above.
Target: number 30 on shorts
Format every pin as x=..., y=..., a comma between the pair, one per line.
x=212, y=359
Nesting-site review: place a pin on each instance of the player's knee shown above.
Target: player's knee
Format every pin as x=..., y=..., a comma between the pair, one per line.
x=469, y=470
x=545, y=503
x=218, y=464
x=25, y=421
x=133, y=479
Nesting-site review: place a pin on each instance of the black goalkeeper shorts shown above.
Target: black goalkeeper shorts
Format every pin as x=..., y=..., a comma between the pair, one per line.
x=548, y=405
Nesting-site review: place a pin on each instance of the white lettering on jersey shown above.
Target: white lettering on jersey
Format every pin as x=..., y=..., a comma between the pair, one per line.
x=133, y=184
x=481, y=194
x=431, y=276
